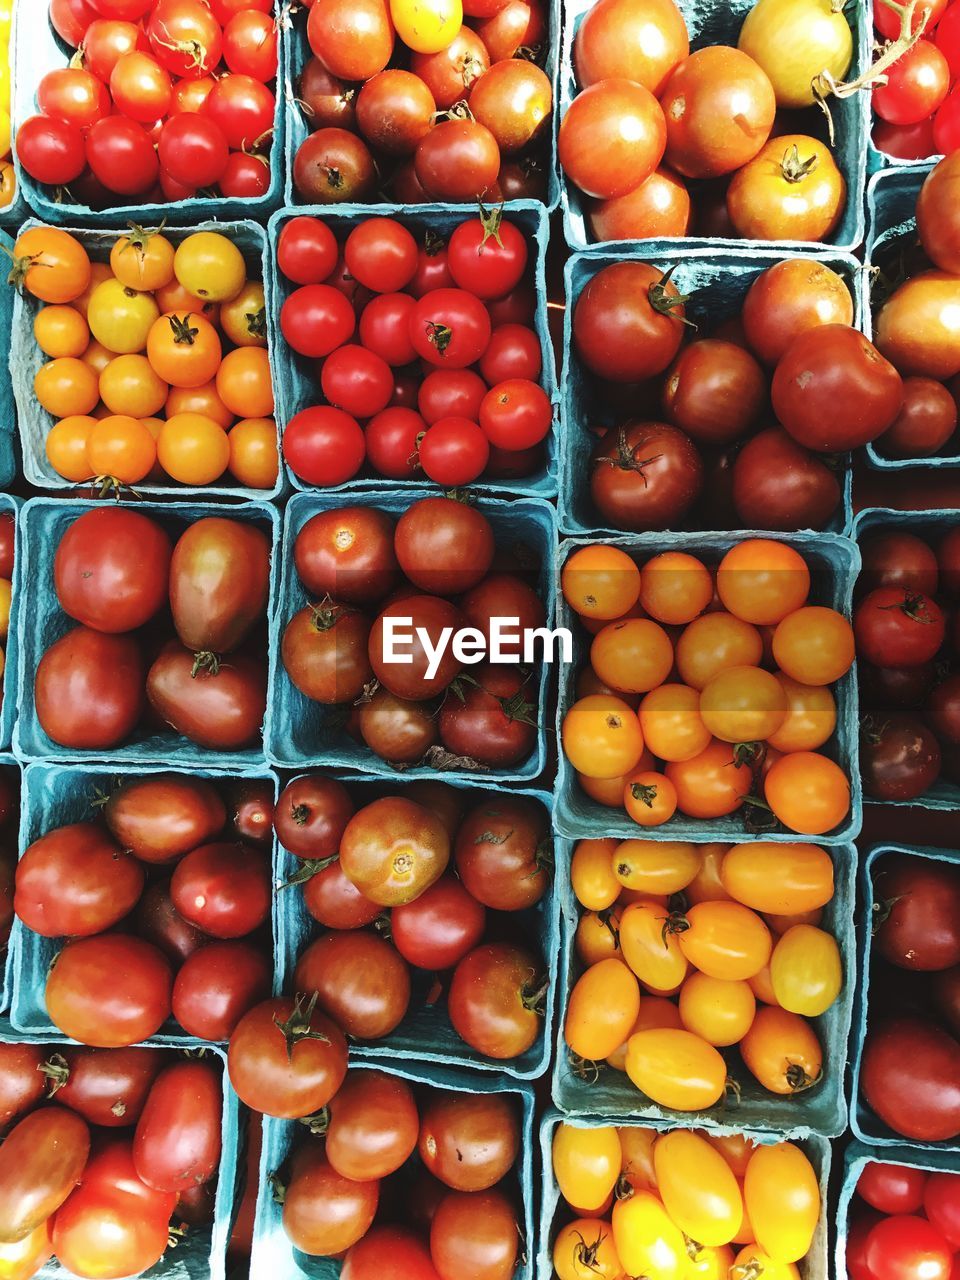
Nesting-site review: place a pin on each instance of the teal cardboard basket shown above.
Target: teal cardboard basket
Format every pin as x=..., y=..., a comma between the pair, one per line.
x=202, y=1252
x=11, y=651
x=35, y=49
x=54, y=796
x=7, y=960
x=717, y=280
x=817, y=1150
x=426, y=1035
x=26, y=359
x=43, y=522
x=820, y=1110
x=273, y=1255
x=299, y=732
x=866, y=1125
x=296, y=380
x=834, y=563
x=8, y=409
x=718, y=22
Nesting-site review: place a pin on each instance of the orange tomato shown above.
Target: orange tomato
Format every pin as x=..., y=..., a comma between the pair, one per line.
x=592, y=875
x=99, y=272
x=51, y=264
x=61, y=331
x=655, y=866
x=811, y=716
x=698, y=1188
x=121, y=449
x=781, y=1051
x=584, y=1250
x=66, y=447
x=779, y=878
x=743, y=704
x=203, y=399
x=97, y=356
x=606, y=791
x=676, y=1069
x=603, y=1007
x=714, y=642
x=707, y=885
x=597, y=936
x=735, y=1148
x=586, y=1163
x=650, y=947
x=129, y=385
x=675, y=587
x=193, y=449
x=752, y=1261
x=808, y=792
x=716, y=1009
x=814, y=645
x=783, y=1198
x=184, y=349
x=761, y=580
x=600, y=582
x=655, y=1012
x=244, y=383
x=633, y=656
x=637, y=1146
x=244, y=318
x=779, y=925
x=66, y=387
x=143, y=260
x=593, y=626
x=671, y=723
x=173, y=297
x=725, y=940
x=649, y=798
x=761, y=984
x=601, y=737
x=712, y=784
x=254, y=460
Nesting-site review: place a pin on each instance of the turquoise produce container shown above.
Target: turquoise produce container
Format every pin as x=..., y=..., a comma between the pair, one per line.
x=296, y=378
x=716, y=280
x=866, y=1125
x=8, y=410
x=274, y=1256
x=821, y=1109
x=54, y=796
x=41, y=622
x=834, y=563
x=299, y=732
x=817, y=1150
x=8, y=704
x=716, y=22
x=7, y=958
x=26, y=359
x=426, y=1034
x=201, y=1254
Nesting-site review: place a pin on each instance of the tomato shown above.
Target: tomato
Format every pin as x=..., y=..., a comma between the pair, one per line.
x=761, y=581
x=645, y=476
x=363, y=984
x=476, y=1231
x=940, y=1202
x=917, y=927
x=502, y=853
x=628, y=322
x=468, y=1140
x=311, y=816
x=725, y=940
x=818, y=38
x=394, y=110
x=353, y=43
x=219, y=709
x=915, y=328
x=592, y=875
x=935, y=219
x=26, y=1257
x=51, y=151
x=904, y=1246
x=914, y=1095
x=647, y=1241
x=659, y=207
x=513, y=100
x=491, y=719
x=457, y=160
x=121, y=156
x=51, y=264
x=184, y=350
x=307, y=250
x=396, y=729
x=159, y=922
x=357, y=381
x=219, y=581
x=514, y=352
x=743, y=704
x=808, y=792
x=898, y=627
x=389, y=1253
x=250, y=44
x=193, y=150
x=450, y=73
x=926, y=421
x=443, y=545
x=814, y=645
x=803, y=880
x=711, y=784
x=73, y=95
x=450, y=328
x=584, y=1250
x=109, y=991
x=88, y=690
x=790, y=298
x=487, y=256
x=453, y=451
x=394, y=849
x=140, y=87
x=279, y=1065
x=791, y=190
x=71, y=18
x=753, y=1258
x=347, y=553
x=381, y=254
x=781, y=1051
x=697, y=1187
x=110, y=569
x=216, y=986
x=618, y=38
x=611, y=138
x=177, y=1140
x=44, y=1158
x=699, y=99
x=323, y=1212
x=892, y=1188
x=495, y=1000
x=905, y=142
x=600, y=582
x=602, y=1010
x=516, y=414
x=916, y=86
x=373, y=1126
x=602, y=737
x=21, y=1080
x=385, y=328
x=806, y=971
x=332, y=165
x=185, y=37
x=516, y=25
x=323, y=446
x=715, y=391
x=223, y=889
x=714, y=643
x=324, y=652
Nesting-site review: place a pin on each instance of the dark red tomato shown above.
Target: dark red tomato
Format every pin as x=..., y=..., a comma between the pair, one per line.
x=858, y=1232
x=715, y=391
x=197, y=1205
x=354, y=41
x=393, y=849
x=348, y=554
x=612, y=138
x=398, y=730
x=892, y=1188
x=438, y=928
x=333, y=901
x=915, y=1093
x=898, y=627
x=385, y=328
x=324, y=652
x=777, y=484
x=451, y=393
x=286, y=1058
x=394, y=111
x=428, y=615
x=941, y=1203
x=75, y=882
x=160, y=818
x=245, y=176
x=177, y=1140
x=512, y=465
x=250, y=44
x=311, y=816
x=88, y=689
x=450, y=328
x=8, y=530
x=926, y=421
x=450, y=74
x=487, y=256
x=193, y=150
x=111, y=569
x=948, y=561
x=307, y=250
x=332, y=166
x=121, y=155
x=905, y=1248
x=504, y=852
x=503, y=596
x=457, y=160
x=628, y=322
x=443, y=545
x=73, y=95
x=21, y=1080
x=899, y=757
x=109, y=991
x=453, y=452
x=891, y=687
x=391, y=438
x=920, y=924
x=356, y=380
x=513, y=99
x=517, y=307
x=373, y=1126
x=905, y=142
x=223, y=889
x=43, y=1159
x=898, y=559
x=514, y=352
x=217, y=985
x=490, y=719
x=316, y=319
x=433, y=267
x=221, y=710
x=496, y=1000
x=469, y=1141
x=324, y=1213
x=71, y=18
x=324, y=446
x=51, y=151
x=382, y=254
x=943, y=711
x=159, y=922
x=658, y=208
x=389, y=1253
x=475, y=1231
x=406, y=385
x=646, y=475
x=219, y=583
x=916, y=85
x=361, y=982
x=108, y=1087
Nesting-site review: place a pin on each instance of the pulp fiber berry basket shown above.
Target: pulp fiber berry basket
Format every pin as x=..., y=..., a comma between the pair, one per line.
x=43, y=523
x=299, y=732
x=26, y=359
x=36, y=49
x=426, y=1034
x=201, y=1254
x=717, y=280
x=8, y=705
x=297, y=382
x=273, y=1254
x=718, y=22
x=866, y=1124
x=834, y=563
x=53, y=796
x=8, y=411
x=297, y=53
x=820, y=1110
x=7, y=957
x=817, y=1150
x=932, y=525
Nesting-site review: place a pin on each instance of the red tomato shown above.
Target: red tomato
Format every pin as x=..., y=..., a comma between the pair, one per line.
x=612, y=138
x=121, y=156
x=51, y=151
x=487, y=256
x=244, y=109
x=217, y=985
x=495, y=999
x=892, y=1188
x=316, y=319
x=436, y=930
x=897, y=627
x=357, y=381
x=453, y=452
x=286, y=1059
x=916, y=1094
x=457, y=160
x=516, y=414
x=177, y=1140
x=514, y=352
x=224, y=889
x=451, y=393
x=450, y=328
x=388, y=1253
x=250, y=44
x=193, y=150
x=109, y=991
x=917, y=84
x=385, y=328
x=907, y=1248
x=941, y=1203
x=88, y=689
x=108, y=1087
x=307, y=250
x=73, y=95
x=111, y=569
x=381, y=254
x=324, y=446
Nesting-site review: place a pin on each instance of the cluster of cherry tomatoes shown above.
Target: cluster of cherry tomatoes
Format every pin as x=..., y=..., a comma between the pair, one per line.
x=663, y=141
x=358, y=568
x=108, y=1151
x=669, y=981
x=916, y=105
x=707, y=690
x=908, y=649
x=904, y=1220
x=911, y=1056
x=136, y=379
x=164, y=99
x=681, y=1203
x=462, y=112
x=430, y=347
x=120, y=671
x=437, y=860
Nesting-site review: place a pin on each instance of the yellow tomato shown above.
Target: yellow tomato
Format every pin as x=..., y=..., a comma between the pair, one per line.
x=244, y=383
x=671, y=723
x=778, y=878
x=584, y=1250
x=655, y=1011
x=61, y=331
x=718, y=1011
x=697, y=1187
x=427, y=26
x=254, y=458
x=121, y=318
x=193, y=449
x=66, y=447
x=806, y=970
x=602, y=737
x=735, y=1148
x=743, y=704
x=706, y=885
x=591, y=874
x=8, y=184
x=710, y=1264
x=6, y=587
x=597, y=936
x=210, y=266
x=781, y=1051
x=99, y=272
x=655, y=866
x=142, y=259
x=811, y=716
x=795, y=41
x=603, y=1007
x=650, y=947
x=783, y=1199
x=676, y=1069
x=65, y=387
x=586, y=1164
x=745, y=1233
x=761, y=984
x=637, y=1144
x=725, y=940
x=244, y=318
x=647, y=1242
x=129, y=385
x=751, y=1263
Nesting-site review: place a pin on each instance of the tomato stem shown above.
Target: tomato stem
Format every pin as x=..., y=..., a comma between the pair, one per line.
x=318, y=1123
x=57, y=1071
x=643, y=792
x=665, y=303
x=206, y=662
x=793, y=168
x=297, y=1026
x=310, y=867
